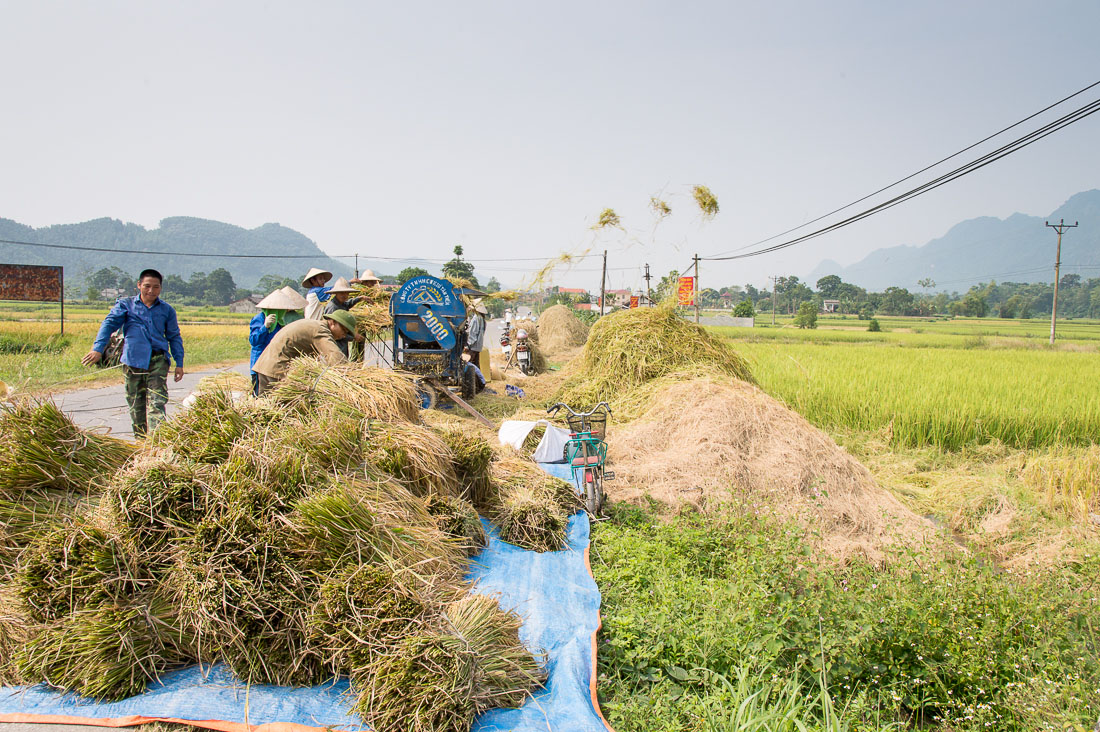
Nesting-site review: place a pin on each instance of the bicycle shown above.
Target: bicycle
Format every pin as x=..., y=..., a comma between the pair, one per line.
x=586, y=451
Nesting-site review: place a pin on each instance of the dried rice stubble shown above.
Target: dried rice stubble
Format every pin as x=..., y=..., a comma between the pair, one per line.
x=105, y=652
x=373, y=393
x=204, y=433
x=472, y=457
x=44, y=450
x=442, y=679
x=245, y=591
x=77, y=565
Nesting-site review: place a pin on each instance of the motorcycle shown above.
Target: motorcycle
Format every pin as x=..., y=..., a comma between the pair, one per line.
x=506, y=347
x=523, y=352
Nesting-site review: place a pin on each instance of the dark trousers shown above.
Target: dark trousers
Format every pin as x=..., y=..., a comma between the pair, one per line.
x=147, y=394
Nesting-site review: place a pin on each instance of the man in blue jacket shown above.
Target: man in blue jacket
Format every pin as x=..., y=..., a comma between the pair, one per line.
x=152, y=334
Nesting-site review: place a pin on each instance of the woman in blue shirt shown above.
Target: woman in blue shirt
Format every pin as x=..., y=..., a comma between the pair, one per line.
x=276, y=310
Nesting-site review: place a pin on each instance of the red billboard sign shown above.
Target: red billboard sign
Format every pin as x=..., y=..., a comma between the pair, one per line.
x=31, y=282
x=686, y=292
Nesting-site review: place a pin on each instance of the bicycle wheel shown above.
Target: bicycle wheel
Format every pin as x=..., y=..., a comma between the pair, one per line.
x=593, y=487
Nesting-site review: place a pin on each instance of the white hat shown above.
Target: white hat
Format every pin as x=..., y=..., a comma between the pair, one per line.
x=286, y=298
x=369, y=276
x=313, y=272
x=341, y=285
x=479, y=306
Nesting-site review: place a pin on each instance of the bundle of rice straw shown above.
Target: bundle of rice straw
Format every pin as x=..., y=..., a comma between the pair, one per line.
x=442, y=678
x=372, y=312
x=534, y=506
x=471, y=456
x=23, y=520
x=367, y=392
x=559, y=328
x=15, y=631
x=105, y=652
x=363, y=610
x=205, y=432
x=156, y=501
x=232, y=382
x=43, y=449
x=630, y=347
x=74, y=566
x=416, y=456
x=459, y=520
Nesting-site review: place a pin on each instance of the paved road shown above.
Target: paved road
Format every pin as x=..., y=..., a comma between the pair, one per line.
x=105, y=406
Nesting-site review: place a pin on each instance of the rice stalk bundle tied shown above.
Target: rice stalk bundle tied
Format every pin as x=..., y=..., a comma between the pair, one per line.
x=472, y=456
x=43, y=449
x=425, y=684
x=442, y=679
x=245, y=594
x=205, y=432
x=372, y=319
x=362, y=611
x=23, y=520
x=371, y=295
x=74, y=566
x=509, y=672
x=105, y=652
x=512, y=472
x=265, y=474
x=373, y=393
x=532, y=520
x=628, y=348
x=156, y=501
x=15, y=631
x=377, y=522
x=459, y=520
x=559, y=328
x=413, y=455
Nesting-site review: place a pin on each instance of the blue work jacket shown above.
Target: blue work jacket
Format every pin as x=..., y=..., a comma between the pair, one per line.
x=146, y=329
x=259, y=336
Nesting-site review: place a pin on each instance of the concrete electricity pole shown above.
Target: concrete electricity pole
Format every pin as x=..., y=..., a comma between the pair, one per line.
x=1060, y=227
x=648, y=291
x=773, y=279
x=603, y=282
x=696, y=298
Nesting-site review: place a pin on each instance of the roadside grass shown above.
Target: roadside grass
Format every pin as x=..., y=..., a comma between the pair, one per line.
x=33, y=368
x=708, y=618
x=946, y=397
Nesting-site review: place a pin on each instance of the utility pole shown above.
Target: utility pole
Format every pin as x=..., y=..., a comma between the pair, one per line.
x=773, y=279
x=603, y=282
x=648, y=291
x=1060, y=227
x=696, y=298
x=357, y=265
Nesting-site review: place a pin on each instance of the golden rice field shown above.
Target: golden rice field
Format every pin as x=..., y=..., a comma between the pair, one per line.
x=948, y=396
x=58, y=363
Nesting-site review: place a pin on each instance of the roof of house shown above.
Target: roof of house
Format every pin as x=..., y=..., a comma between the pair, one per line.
x=573, y=290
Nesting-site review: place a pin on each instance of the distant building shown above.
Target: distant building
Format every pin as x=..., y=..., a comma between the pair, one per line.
x=618, y=298
x=830, y=306
x=247, y=305
x=112, y=293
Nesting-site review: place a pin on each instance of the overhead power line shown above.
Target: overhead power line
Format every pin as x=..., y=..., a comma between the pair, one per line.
x=966, y=169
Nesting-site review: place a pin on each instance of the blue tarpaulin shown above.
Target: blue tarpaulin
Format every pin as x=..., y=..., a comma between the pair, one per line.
x=554, y=592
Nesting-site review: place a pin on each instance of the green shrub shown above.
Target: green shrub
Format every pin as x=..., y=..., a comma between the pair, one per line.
x=873, y=326
x=807, y=315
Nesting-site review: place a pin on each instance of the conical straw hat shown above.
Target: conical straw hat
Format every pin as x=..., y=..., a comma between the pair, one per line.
x=281, y=300
x=341, y=285
x=369, y=276
x=313, y=272
x=295, y=297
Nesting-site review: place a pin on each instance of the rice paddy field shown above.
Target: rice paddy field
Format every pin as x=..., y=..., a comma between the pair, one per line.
x=34, y=356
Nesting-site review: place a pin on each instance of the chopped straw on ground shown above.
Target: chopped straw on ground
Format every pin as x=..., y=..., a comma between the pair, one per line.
x=560, y=329
x=706, y=439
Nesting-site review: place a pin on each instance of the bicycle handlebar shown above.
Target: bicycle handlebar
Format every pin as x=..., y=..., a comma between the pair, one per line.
x=554, y=409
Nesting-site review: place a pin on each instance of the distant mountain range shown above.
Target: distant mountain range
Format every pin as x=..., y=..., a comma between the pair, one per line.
x=1017, y=249
x=280, y=251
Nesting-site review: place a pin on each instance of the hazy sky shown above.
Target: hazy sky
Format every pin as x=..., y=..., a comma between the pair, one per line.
x=402, y=129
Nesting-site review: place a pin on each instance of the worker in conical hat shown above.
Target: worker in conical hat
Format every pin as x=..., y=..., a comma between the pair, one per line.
x=275, y=312
x=304, y=337
x=341, y=300
x=370, y=279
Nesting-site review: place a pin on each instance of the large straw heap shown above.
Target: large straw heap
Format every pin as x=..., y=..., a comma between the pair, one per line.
x=318, y=532
x=560, y=329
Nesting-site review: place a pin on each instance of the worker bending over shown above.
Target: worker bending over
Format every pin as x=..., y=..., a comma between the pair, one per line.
x=303, y=338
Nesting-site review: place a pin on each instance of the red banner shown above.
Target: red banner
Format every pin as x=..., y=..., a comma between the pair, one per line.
x=633, y=301
x=30, y=283
x=686, y=293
